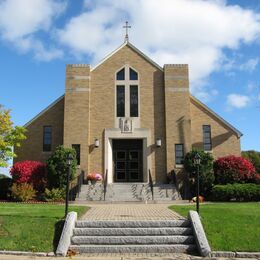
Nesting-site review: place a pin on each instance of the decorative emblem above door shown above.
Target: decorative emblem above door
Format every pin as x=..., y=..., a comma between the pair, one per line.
x=126, y=125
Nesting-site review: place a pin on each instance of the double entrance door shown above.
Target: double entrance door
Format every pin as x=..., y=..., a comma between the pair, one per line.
x=128, y=160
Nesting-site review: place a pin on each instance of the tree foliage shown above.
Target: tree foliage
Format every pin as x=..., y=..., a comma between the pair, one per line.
x=58, y=168
x=206, y=175
x=10, y=136
x=254, y=157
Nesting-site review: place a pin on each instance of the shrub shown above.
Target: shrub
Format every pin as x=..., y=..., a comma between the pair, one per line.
x=23, y=192
x=54, y=194
x=206, y=176
x=32, y=172
x=5, y=187
x=238, y=192
x=58, y=168
x=233, y=169
x=254, y=158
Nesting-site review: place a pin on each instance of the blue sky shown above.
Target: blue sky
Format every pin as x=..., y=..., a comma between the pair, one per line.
x=220, y=40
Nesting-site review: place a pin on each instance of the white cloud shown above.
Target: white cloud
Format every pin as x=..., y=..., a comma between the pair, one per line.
x=249, y=65
x=169, y=31
x=21, y=20
x=237, y=100
x=232, y=65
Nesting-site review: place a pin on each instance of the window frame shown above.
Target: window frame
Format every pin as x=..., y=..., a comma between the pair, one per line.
x=117, y=104
x=78, y=152
x=207, y=140
x=47, y=147
x=127, y=83
x=178, y=157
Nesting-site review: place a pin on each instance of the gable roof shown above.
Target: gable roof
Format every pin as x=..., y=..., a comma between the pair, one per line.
x=239, y=134
x=127, y=43
x=44, y=110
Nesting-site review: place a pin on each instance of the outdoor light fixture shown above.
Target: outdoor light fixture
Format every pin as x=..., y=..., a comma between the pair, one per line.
x=69, y=159
x=158, y=142
x=69, y=162
x=96, y=143
x=197, y=160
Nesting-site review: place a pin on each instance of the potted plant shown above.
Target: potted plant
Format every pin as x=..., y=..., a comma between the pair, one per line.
x=93, y=177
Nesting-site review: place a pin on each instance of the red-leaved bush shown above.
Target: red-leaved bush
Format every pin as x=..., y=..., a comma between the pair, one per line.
x=32, y=172
x=234, y=169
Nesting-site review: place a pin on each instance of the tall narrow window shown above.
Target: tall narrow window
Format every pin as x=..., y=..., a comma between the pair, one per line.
x=133, y=101
x=207, y=138
x=120, y=100
x=120, y=75
x=47, y=138
x=179, y=154
x=76, y=147
x=133, y=74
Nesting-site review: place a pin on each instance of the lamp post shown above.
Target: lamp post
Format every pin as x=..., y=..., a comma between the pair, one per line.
x=197, y=160
x=69, y=162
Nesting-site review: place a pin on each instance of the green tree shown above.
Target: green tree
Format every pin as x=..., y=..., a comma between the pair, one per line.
x=206, y=175
x=254, y=157
x=58, y=167
x=10, y=136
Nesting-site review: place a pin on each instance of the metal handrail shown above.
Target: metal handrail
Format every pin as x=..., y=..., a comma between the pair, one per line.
x=105, y=184
x=151, y=183
x=75, y=186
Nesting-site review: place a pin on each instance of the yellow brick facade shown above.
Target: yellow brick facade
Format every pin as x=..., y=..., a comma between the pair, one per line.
x=167, y=112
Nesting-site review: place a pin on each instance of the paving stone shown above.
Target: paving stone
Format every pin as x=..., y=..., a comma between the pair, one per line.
x=131, y=212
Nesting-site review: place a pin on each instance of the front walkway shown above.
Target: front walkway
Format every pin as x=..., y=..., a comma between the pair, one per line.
x=130, y=212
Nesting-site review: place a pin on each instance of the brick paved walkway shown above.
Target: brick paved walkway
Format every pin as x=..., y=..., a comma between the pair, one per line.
x=130, y=212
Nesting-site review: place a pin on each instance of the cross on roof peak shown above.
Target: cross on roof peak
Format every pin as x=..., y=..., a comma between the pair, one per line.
x=126, y=26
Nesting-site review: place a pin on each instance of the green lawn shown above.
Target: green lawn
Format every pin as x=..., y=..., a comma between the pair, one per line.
x=32, y=227
x=229, y=226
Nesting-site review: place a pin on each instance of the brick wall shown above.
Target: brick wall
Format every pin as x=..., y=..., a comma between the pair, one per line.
x=224, y=140
x=32, y=147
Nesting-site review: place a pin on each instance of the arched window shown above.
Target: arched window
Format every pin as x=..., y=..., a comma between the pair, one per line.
x=120, y=75
x=133, y=74
x=127, y=93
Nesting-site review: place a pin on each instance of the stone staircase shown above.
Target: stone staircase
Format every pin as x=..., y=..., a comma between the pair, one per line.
x=128, y=192
x=149, y=236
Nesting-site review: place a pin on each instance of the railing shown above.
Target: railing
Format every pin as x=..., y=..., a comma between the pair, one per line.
x=151, y=183
x=75, y=186
x=105, y=184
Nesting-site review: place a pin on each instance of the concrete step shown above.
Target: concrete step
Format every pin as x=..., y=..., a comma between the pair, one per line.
x=131, y=240
x=131, y=231
x=132, y=224
x=134, y=248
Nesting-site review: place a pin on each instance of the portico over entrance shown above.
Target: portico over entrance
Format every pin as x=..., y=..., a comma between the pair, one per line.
x=127, y=156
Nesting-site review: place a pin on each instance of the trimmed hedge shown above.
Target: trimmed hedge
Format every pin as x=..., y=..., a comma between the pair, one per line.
x=237, y=192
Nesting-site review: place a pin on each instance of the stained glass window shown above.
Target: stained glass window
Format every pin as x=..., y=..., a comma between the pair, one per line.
x=133, y=101
x=120, y=75
x=133, y=74
x=120, y=100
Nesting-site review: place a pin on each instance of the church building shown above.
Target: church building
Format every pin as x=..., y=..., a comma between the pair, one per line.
x=128, y=115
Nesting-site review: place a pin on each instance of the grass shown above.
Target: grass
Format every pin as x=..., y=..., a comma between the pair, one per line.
x=32, y=227
x=229, y=226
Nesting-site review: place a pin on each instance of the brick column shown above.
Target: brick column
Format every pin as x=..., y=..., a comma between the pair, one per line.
x=76, y=110
x=177, y=110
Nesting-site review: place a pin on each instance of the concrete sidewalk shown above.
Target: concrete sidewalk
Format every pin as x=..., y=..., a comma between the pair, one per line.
x=119, y=257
